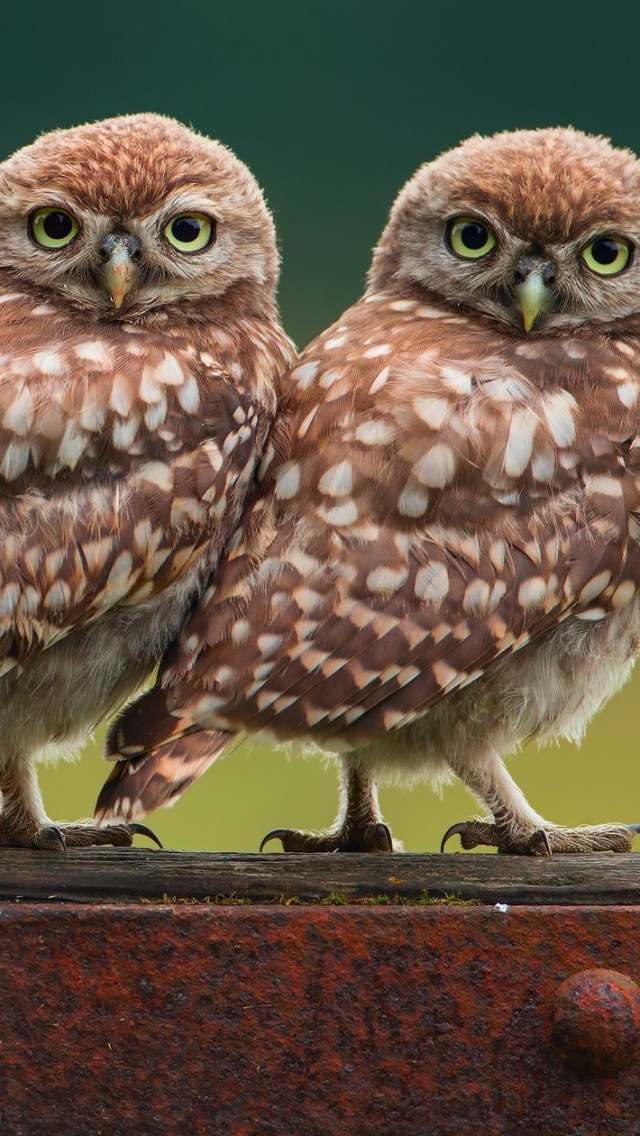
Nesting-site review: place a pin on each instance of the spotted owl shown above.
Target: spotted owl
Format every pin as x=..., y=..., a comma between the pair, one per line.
x=139, y=351
x=442, y=559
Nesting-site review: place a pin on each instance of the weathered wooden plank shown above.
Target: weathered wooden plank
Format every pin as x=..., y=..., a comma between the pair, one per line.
x=110, y=875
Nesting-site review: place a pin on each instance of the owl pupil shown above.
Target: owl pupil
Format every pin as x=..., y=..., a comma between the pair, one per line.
x=605, y=251
x=57, y=226
x=474, y=236
x=186, y=230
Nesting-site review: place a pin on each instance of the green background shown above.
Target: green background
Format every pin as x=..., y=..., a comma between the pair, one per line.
x=333, y=104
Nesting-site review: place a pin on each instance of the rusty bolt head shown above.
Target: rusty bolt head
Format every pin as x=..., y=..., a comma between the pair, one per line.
x=595, y=1020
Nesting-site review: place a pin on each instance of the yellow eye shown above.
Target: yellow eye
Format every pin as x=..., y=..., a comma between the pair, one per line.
x=190, y=232
x=470, y=238
x=52, y=228
x=607, y=255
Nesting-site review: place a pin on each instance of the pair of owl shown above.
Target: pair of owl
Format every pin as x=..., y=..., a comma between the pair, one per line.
x=414, y=547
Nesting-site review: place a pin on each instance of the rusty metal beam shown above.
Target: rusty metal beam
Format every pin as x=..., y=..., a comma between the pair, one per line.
x=310, y=1021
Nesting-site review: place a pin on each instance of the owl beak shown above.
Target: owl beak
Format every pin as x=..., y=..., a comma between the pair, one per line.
x=118, y=274
x=533, y=295
x=119, y=253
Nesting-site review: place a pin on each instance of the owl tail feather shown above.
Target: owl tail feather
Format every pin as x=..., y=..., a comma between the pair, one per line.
x=143, y=726
x=158, y=756
x=135, y=788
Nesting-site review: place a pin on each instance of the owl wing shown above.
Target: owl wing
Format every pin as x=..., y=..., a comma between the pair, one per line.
x=122, y=458
x=436, y=507
x=351, y=671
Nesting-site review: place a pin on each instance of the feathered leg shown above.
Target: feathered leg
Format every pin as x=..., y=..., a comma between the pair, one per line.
x=359, y=826
x=24, y=822
x=516, y=828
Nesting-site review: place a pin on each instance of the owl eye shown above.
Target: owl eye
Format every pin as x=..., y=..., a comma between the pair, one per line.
x=52, y=228
x=190, y=232
x=607, y=255
x=469, y=237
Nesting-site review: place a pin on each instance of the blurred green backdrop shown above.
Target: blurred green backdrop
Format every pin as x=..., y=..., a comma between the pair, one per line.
x=333, y=104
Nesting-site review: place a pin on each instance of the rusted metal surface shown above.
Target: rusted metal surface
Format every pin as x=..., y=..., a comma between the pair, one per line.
x=302, y=1021
x=595, y=1020
x=126, y=875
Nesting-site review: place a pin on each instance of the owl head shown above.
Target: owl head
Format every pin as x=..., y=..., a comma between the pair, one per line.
x=537, y=229
x=125, y=216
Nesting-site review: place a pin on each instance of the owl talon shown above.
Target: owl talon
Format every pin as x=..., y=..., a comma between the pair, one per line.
x=454, y=830
x=118, y=835
x=474, y=833
x=143, y=830
x=293, y=840
x=51, y=838
x=370, y=838
x=57, y=838
x=382, y=837
x=275, y=834
x=539, y=843
x=544, y=841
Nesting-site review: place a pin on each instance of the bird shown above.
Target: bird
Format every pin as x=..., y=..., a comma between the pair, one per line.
x=140, y=346
x=441, y=557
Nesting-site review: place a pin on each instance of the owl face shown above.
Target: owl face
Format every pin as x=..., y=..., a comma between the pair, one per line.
x=537, y=229
x=125, y=216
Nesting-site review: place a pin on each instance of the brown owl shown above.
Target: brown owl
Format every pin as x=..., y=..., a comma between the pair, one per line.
x=139, y=348
x=444, y=557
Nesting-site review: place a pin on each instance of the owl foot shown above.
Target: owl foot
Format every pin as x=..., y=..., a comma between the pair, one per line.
x=544, y=841
x=119, y=835
x=57, y=838
x=369, y=838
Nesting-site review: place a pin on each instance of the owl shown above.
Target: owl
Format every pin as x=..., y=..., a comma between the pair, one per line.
x=442, y=557
x=139, y=352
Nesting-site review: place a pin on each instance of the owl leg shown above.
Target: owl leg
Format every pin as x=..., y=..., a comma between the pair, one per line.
x=516, y=828
x=24, y=823
x=359, y=827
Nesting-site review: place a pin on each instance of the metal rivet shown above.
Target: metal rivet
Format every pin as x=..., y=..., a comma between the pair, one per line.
x=595, y=1021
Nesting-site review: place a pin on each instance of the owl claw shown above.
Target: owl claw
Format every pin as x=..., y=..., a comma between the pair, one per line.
x=539, y=842
x=382, y=836
x=119, y=835
x=55, y=838
x=544, y=841
x=455, y=830
x=474, y=833
x=372, y=837
x=275, y=834
x=144, y=830
x=51, y=838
